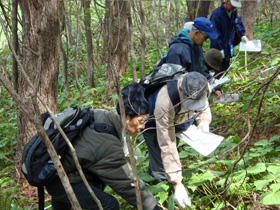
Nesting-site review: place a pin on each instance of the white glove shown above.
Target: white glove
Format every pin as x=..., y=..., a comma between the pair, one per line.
x=223, y=53
x=181, y=196
x=244, y=39
x=204, y=126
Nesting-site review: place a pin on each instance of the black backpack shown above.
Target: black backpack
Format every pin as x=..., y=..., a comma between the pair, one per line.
x=160, y=75
x=37, y=165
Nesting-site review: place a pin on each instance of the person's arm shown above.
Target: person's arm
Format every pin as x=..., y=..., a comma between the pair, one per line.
x=240, y=26
x=217, y=24
x=166, y=138
x=179, y=54
x=105, y=159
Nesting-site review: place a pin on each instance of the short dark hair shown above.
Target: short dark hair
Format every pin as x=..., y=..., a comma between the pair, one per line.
x=135, y=103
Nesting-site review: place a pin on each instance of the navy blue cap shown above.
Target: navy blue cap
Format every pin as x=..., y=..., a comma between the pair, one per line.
x=204, y=24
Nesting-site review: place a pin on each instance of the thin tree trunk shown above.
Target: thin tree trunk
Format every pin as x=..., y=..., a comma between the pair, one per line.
x=248, y=15
x=198, y=8
x=15, y=42
x=63, y=51
x=203, y=9
x=68, y=20
x=76, y=55
x=87, y=19
x=116, y=23
x=212, y=7
x=143, y=40
x=131, y=43
x=192, y=8
x=112, y=69
x=65, y=69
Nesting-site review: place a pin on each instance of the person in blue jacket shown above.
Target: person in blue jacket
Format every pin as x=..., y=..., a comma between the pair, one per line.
x=185, y=48
x=229, y=28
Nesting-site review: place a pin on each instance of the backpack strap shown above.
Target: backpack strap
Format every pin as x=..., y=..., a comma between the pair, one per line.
x=175, y=98
x=174, y=94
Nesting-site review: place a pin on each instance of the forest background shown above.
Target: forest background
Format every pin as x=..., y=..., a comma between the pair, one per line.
x=83, y=52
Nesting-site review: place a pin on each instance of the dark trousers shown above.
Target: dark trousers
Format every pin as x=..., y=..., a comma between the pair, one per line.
x=156, y=168
x=60, y=200
x=223, y=67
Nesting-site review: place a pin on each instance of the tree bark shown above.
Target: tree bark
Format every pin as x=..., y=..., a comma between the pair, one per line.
x=15, y=42
x=248, y=16
x=131, y=43
x=143, y=40
x=192, y=8
x=116, y=37
x=203, y=9
x=87, y=19
x=197, y=9
x=64, y=52
x=40, y=25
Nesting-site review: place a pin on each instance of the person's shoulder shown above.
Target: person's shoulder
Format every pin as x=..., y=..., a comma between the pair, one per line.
x=218, y=11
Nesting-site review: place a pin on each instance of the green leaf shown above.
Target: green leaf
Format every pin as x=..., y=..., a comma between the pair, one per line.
x=162, y=196
x=270, y=198
x=261, y=184
x=263, y=142
x=171, y=202
x=276, y=61
x=239, y=176
x=275, y=187
x=145, y=177
x=192, y=187
x=274, y=138
x=274, y=169
x=260, y=167
x=162, y=186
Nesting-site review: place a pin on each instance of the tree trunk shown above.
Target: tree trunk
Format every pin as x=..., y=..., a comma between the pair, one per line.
x=116, y=36
x=131, y=43
x=15, y=42
x=143, y=40
x=87, y=19
x=212, y=7
x=203, y=9
x=64, y=53
x=192, y=8
x=40, y=25
x=68, y=20
x=248, y=16
x=197, y=9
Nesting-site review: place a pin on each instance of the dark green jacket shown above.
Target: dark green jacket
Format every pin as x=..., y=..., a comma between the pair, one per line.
x=102, y=160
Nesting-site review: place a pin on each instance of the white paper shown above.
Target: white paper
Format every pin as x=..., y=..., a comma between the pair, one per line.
x=202, y=142
x=251, y=46
x=216, y=82
x=226, y=98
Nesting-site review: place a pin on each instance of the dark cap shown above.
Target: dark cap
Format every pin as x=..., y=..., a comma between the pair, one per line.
x=134, y=100
x=213, y=58
x=195, y=90
x=204, y=24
